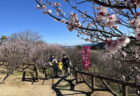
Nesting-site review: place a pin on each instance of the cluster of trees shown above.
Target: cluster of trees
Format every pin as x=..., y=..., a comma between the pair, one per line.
x=26, y=48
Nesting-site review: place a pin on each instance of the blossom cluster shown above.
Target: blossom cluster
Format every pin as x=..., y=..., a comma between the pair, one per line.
x=102, y=13
x=110, y=20
x=135, y=23
x=114, y=45
x=73, y=22
x=135, y=2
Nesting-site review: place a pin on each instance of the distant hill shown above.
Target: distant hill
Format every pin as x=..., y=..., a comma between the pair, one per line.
x=99, y=45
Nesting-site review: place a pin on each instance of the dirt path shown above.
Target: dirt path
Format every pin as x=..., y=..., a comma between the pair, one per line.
x=17, y=88
x=14, y=87
x=66, y=88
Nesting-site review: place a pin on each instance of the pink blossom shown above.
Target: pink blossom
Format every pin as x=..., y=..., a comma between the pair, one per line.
x=109, y=24
x=138, y=36
x=137, y=14
x=111, y=45
x=112, y=18
x=138, y=3
x=100, y=18
x=123, y=41
x=124, y=54
x=59, y=10
x=57, y=4
x=102, y=13
x=114, y=45
x=55, y=20
x=135, y=22
x=137, y=30
x=83, y=21
x=63, y=20
x=125, y=3
x=72, y=13
x=57, y=14
x=86, y=39
x=78, y=24
x=82, y=15
x=109, y=42
x=70, y=28
x=135, y=2
x=102, y=9
x=90, y=25
x=63, y=13
x=44, y=6
x=45, y=12
x=132, y=1
x=79, y=32
x=116, y=26
x=50, y=3
x=111, y=21
x=76, y=17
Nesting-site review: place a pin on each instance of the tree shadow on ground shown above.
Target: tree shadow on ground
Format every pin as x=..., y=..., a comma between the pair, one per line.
x=72, y=88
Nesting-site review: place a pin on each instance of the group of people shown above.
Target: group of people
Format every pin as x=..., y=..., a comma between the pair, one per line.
x=60, y=66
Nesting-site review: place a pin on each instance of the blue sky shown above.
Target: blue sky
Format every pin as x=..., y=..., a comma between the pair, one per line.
x=21, y=15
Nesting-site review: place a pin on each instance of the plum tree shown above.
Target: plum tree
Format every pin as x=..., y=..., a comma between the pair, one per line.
x=112, y=21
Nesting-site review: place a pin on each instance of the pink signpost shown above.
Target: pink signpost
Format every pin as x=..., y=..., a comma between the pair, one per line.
x=86, y=59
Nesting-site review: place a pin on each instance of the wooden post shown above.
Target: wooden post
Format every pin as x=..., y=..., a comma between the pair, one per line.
x=93, y=83
x=124, y=90
x=76, y=77
x=81, y=79
x=52, y=77
x=45, y=75
x=36, y=72
x=33, y=78
x=23, y=76
x=44, y=71
x=136, y=80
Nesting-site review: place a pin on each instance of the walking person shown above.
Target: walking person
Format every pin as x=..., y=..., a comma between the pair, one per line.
x=60, y=66
x=66, y=64
x=54, y=64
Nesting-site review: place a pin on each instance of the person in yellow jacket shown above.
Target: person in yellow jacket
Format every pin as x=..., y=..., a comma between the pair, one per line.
x=60, y=66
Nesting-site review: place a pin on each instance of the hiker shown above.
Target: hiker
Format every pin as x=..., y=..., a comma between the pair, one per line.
x=60, y=66
x=54, y=64
x=66, y=64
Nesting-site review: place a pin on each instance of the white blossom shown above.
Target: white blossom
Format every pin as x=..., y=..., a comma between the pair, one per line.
x=49, y=11
x=38, y=7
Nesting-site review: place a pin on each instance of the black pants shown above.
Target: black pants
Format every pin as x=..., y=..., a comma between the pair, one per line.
x=55, y=69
